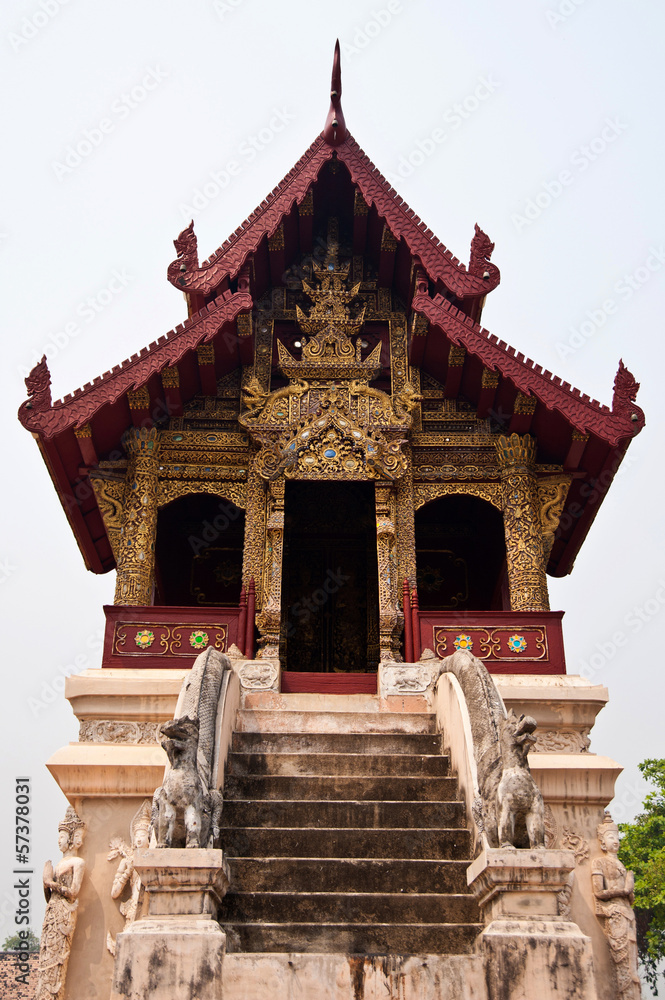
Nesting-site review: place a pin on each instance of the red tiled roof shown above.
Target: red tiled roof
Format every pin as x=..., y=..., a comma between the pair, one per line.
x=402, y=221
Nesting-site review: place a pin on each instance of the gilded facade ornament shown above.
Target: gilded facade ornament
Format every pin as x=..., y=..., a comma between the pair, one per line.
x=139, y=399
x=521, y=519
x=390, y=616
x=176, y=488
x=205, y=354
x=425, y=492
x=110, y=493
x=456, y=356
x=525, y=405
x=329, y=423
x=269, y=619
x=552, y=493
x=170, y=377
x=255, y=526
x=136, y=565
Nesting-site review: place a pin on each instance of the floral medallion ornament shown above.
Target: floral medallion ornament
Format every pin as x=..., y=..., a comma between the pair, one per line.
x=464, y=642
x=198, y=639
x=144, y=638
x=517, y=643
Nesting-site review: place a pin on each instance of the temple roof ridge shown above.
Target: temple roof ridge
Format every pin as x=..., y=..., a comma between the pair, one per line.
x=229, y=258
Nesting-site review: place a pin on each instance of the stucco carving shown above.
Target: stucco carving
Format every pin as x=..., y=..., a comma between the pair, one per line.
x=126, y=876
x=259, y=675
x=62, y=885
x=186, y=808
x=114, y=731
x=509, y=810
x=613, y=888
x=405, y=679
x=562, y=741
x=574, y=842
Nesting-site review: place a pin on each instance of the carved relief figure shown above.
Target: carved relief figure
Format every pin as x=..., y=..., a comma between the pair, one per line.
x=62, y=885
x=613, y=888
x=126, y=875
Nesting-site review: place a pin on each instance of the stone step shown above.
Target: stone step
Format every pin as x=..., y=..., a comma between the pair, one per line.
x=375, y=743
x=311, y=764
x=427, y=845
x=338, y=976
x=349, y=907
x=326, y=815
x=353, y=939
x=309, y=875
x=300, y=701
x=267, y=721
x=364, y=789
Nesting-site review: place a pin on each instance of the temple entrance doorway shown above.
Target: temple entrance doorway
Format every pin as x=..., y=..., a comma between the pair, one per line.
x=330, y=579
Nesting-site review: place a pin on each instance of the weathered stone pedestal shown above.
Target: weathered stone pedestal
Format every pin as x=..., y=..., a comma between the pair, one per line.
x=176, y=951
x=528, y=948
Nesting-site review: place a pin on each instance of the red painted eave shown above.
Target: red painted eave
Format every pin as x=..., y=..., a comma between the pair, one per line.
x=613, y=426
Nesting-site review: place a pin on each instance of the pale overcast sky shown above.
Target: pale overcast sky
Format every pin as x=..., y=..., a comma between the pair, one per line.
x=547, y=117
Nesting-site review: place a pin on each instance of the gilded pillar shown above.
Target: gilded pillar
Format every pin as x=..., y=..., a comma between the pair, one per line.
x=390, y=620
x=521, y=520
x=136, y=562
x=406, y=529
x=255, y=530
x=269, y=619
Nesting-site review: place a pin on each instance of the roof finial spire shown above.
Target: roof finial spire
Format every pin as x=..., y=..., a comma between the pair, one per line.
x=334, y=130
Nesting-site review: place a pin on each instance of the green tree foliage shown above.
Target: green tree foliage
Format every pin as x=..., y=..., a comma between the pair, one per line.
x=18, y=943
x=643, y=851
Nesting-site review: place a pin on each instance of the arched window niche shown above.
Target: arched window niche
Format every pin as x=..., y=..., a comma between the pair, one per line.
x=199, y=552
x=461, y=555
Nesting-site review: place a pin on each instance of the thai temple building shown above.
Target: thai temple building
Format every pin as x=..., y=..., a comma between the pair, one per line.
x=338, y=493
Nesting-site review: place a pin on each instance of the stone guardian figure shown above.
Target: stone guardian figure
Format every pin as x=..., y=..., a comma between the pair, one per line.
x=62, y=885
x=613, y=889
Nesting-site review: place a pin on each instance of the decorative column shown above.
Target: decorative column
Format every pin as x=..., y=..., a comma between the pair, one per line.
x=389, y=617
x=406, y=529
x=136, y=565
x=269, y=619
x=255, y=530
x=521, y=520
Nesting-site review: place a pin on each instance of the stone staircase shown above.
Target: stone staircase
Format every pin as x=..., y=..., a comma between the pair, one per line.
x=343, y=834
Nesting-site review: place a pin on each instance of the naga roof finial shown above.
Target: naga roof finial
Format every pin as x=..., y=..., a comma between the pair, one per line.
x=334, y=130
